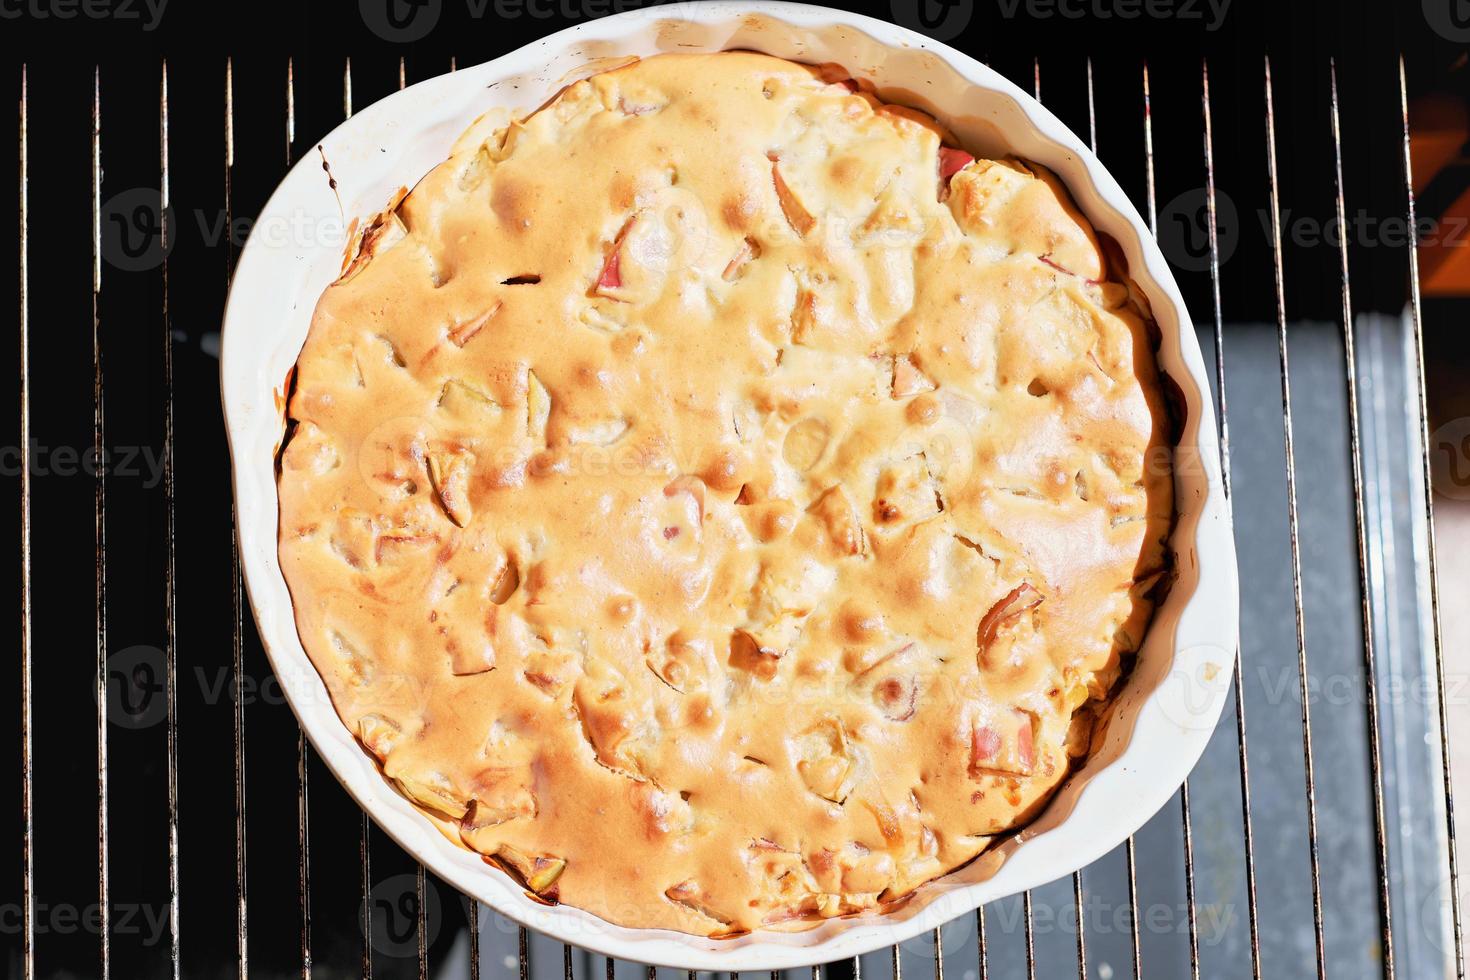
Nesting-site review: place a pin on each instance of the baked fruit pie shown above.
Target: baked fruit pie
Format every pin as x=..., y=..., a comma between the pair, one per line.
x=722, y=502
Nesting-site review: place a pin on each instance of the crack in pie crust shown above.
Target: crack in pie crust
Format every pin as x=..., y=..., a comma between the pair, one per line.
x=720, y=502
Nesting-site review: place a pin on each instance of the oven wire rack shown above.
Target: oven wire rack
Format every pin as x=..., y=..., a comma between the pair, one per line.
x=577, y=963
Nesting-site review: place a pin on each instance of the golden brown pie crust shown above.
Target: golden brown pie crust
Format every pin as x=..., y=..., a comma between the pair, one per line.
x=722, y=517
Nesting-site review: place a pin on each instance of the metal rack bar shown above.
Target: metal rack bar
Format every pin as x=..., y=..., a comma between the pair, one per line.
x=1453, y=884
x=1291, y=514
x=981, y=947
x=367, y=898
x=1026, y=900
x=99, y=531
x=1187, y=828
x=1212, y=228
x=1091, y=110
x=1077, y=889
x=27, y=848
x=303, y=748
x=171, y=651
x=1030, y=937
x=474, y=930
x=1370, y=669
x=237, y=642
x=1081, y=932
x=365, y=843
x=1131, y=863
x=422, y=924
x=474, y=922
x=303, y=871
x=1148, y=155
x=473, y=913
x=290, y=106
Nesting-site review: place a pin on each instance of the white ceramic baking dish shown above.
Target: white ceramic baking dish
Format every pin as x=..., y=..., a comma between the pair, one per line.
x=1169, y=704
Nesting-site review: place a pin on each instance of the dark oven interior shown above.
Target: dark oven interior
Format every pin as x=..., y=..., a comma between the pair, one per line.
x=165, y=817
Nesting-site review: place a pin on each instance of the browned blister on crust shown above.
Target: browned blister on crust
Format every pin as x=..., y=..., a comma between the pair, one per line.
x=721, y=527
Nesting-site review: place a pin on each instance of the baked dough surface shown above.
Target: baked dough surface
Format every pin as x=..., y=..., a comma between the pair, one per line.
x=719, y=516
